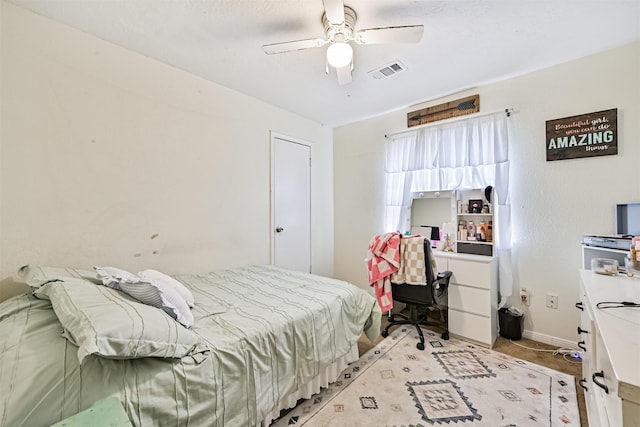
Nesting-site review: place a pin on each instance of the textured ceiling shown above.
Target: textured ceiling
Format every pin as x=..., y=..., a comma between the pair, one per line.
x=466, y=43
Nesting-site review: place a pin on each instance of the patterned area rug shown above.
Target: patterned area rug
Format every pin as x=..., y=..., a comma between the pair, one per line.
x=449, y=383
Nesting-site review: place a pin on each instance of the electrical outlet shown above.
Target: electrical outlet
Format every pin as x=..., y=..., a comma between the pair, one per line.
x=524, y=296
x=552, y=301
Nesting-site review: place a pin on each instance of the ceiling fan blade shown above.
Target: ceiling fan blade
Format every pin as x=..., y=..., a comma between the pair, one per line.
x=334, y=9
x=405, y=34
x=344, y=74
x=270, y=49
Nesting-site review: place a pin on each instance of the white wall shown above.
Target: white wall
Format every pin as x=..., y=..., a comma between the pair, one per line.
x=553, y=203
x=102, y=149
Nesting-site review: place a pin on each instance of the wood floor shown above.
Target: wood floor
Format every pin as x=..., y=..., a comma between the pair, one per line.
x=525, y=349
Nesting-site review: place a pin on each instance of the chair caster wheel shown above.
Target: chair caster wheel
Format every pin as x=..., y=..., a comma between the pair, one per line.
x=445, y=336
x=384, y=334
x=420, y=346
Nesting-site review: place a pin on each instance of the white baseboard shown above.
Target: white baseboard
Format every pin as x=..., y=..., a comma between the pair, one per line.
x=548, y=339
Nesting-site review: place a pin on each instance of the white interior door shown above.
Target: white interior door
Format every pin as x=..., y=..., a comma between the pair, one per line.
x=291, y=204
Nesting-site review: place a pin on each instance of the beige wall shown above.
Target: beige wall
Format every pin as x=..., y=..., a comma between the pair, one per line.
x=553, y=203
x=103, y=148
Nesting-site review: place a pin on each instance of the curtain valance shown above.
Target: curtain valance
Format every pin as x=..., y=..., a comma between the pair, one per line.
x=459, y=155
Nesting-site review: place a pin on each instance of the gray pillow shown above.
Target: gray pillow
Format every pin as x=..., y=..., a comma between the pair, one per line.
x=154, y=276
x=106, y=322
x=161, y=294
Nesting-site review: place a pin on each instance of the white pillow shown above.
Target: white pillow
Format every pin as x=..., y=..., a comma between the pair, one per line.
x=158, y=294
x=154, y=276
x=112, y=277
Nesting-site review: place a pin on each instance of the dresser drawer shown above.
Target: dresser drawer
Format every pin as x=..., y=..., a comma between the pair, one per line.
x=606, y=376
x=470, y=326
x=470, y=273
x=471, y=300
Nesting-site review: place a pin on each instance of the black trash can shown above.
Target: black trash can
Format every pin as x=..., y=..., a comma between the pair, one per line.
x=511, y=324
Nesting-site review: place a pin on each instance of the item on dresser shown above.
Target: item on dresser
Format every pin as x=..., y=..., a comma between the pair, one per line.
x=475, y=206
x=616, y=304
x=605, y=266
x=634, y=253
x=449, y=244
x=471, y=231
x=462, y=230
x=487, y=193
x=481, y=234
x=632, y=267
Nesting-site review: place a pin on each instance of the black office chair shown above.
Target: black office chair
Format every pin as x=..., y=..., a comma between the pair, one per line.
x=420, y=300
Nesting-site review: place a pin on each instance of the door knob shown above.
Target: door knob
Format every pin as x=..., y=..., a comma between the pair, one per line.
x=279, y=229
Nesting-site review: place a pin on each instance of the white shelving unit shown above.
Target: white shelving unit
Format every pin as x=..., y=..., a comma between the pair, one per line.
x=474, y=246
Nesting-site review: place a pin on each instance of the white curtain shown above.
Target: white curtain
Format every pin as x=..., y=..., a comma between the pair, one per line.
x=460, y=155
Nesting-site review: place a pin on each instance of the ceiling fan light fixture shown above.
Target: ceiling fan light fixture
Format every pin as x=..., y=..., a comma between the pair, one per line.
x=339, y=54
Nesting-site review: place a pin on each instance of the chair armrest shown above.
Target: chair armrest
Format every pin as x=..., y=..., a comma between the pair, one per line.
x=443, y=277
x=440, y=287
x=442, y=281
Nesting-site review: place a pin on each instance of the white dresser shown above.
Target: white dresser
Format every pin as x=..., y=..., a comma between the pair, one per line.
x=473, y=295
x=610, y=340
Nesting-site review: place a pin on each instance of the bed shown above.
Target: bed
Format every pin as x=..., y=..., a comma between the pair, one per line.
x=262, y=338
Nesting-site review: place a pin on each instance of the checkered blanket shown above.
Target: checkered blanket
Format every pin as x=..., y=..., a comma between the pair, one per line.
x=382, y=261
x=412, y=265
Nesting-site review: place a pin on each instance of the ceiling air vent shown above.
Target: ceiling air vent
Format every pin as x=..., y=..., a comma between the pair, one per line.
x=388, y=70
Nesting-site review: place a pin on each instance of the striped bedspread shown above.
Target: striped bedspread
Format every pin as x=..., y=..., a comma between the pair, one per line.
x=268, y=331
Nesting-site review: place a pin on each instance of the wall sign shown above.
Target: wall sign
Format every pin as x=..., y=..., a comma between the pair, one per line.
x=586, y=135
x=459, y=107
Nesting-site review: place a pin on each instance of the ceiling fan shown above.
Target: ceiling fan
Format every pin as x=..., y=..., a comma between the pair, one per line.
x=339, y=22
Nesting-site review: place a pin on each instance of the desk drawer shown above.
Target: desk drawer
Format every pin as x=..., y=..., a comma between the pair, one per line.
x=471, y=326
x=470, y=273
x=471, y=300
